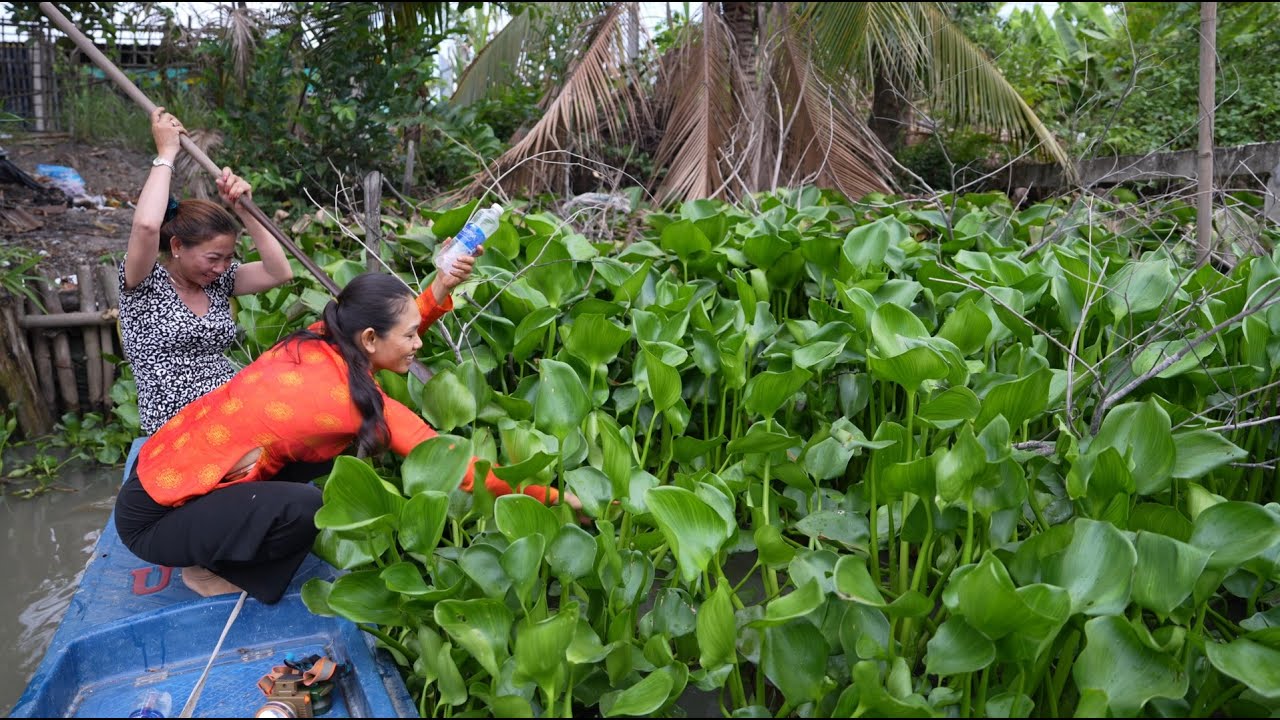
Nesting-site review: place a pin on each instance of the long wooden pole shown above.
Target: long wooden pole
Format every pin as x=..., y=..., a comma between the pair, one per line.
x=86, y=46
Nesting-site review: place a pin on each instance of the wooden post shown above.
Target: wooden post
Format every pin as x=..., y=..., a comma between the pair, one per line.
x=92, y=344
x=410, y=152
x=107, y=281
x=61, y=351
x=1204, y=169
x=38, y=102
x=19, y=384
x=373, y=220
x=1271, y=205
x=43, y=360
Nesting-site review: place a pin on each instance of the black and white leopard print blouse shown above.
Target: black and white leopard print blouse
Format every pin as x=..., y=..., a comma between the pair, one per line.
x=177, y=356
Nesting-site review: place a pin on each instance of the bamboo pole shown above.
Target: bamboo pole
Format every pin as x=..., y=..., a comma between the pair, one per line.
x=18, y=381
x=63, y=369
x=62, y=321
x=41, y=356
x=86, y=46
x=107, y=280
x=113, y=73
x=92, y=344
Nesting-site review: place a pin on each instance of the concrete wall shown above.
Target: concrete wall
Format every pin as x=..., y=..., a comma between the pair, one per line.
x=1256, y=165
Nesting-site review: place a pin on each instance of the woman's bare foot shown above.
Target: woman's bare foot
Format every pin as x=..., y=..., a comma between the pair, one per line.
x=205, y=582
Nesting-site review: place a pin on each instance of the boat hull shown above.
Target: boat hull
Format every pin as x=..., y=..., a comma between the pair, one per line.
x=133, y=627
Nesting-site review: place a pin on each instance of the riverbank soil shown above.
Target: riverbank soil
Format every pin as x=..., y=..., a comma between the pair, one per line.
x=93, y=229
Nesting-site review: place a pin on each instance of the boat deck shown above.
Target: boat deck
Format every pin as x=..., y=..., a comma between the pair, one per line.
x=133, y=627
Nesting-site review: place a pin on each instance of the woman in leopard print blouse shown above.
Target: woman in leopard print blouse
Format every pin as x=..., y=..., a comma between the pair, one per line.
x=176, y=281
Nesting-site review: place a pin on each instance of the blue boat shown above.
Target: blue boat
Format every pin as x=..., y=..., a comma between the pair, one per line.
x=134, y=629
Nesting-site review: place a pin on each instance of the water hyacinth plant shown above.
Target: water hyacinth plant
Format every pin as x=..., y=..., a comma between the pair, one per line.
x=838, y=459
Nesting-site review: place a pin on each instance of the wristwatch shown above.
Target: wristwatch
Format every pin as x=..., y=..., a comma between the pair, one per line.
x=161, y=161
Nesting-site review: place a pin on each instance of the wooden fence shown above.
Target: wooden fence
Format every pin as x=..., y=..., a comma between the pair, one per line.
x=61, y=353
x=39, y=66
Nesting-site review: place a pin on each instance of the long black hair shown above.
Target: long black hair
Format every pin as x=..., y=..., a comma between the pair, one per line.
x=371, y=300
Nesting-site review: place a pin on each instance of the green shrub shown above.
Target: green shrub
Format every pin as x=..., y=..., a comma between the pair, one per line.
x=947, y=162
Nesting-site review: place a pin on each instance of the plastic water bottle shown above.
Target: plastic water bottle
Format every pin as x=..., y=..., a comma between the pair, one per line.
x=155, y=704
x=479, y=228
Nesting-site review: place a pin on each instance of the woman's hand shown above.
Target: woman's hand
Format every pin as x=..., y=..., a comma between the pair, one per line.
x=166, y=129
x=463, y=266
x=575, y=502
x=233, y=187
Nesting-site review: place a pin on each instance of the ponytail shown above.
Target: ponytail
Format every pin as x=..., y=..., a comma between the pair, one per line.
x=371, y=300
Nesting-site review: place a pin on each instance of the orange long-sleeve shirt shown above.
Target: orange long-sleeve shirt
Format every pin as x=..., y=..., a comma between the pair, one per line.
x=292, y=402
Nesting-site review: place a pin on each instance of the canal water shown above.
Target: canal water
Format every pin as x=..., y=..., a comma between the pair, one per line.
x=47, y=541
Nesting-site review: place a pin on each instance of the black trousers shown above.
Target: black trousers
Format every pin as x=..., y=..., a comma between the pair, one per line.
x=254, y=534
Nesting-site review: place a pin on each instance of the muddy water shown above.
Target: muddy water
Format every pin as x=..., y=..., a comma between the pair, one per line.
x=47, y=541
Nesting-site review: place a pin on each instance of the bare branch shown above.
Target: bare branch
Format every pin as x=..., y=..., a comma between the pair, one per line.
x=1109, y=400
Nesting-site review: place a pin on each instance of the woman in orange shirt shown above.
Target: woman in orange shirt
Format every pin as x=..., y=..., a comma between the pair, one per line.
x=223, y=489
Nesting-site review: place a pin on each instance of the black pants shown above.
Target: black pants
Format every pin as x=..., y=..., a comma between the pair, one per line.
x=254, y=534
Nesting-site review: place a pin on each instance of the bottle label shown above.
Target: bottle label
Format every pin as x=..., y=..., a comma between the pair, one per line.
x=470, y=237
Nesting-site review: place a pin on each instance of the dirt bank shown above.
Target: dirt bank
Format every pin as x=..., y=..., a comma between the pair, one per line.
x=63, y=236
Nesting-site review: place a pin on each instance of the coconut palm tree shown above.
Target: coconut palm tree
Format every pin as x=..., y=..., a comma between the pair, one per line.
x=755, y=96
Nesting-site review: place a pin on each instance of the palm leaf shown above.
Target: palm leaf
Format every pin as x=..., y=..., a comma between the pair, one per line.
x=500, y=57
x=920, y=50
x=499, y=63
x=587, y=106
x=853, y=38
x=969, y=89
x=700, y=110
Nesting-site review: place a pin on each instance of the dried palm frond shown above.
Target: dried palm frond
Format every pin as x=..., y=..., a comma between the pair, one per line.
x=826, y=144
x=698, y=104
x=241, y=36
x=587, y=107
x=191, y=175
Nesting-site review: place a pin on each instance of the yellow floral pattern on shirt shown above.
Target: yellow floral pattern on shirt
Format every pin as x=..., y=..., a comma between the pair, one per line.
x=279, y=411
x=312, y=419
x=209, y=475
x=218, y=435
x=169, y=478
